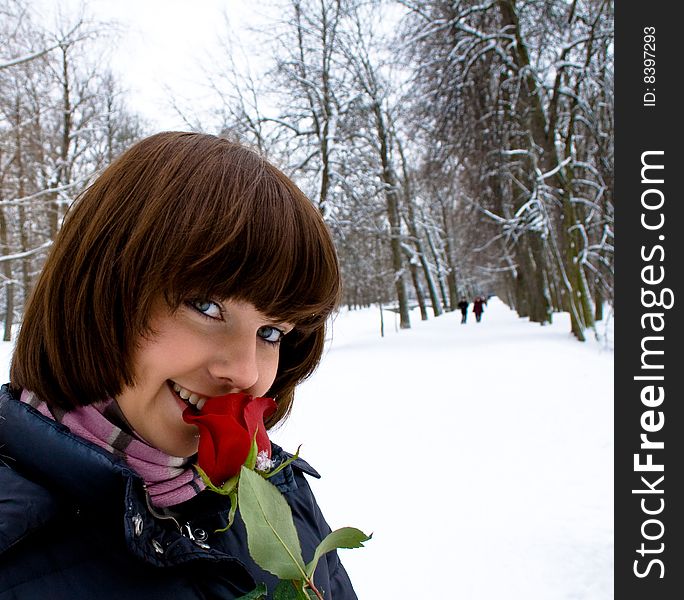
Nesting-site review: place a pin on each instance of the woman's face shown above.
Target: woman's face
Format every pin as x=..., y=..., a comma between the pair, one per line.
x=206, y=348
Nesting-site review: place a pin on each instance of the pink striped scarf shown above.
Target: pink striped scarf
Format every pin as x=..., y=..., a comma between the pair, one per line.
x=170, y=480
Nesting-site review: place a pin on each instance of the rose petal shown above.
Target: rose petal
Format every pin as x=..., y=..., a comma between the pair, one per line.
x=230, y=404
x=227, y=425
x=255, y=413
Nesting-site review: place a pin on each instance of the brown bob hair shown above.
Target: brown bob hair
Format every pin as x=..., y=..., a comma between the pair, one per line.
x=178, y=215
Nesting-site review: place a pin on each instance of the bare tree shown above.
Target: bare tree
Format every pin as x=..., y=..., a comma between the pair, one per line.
x=61, y=118
x=518, y=88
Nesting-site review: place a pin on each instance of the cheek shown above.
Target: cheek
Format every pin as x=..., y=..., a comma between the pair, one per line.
x=163, y=356
x=268, y=370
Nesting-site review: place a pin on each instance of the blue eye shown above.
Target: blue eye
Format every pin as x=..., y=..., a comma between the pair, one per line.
x=272, y=335
x=207, y=308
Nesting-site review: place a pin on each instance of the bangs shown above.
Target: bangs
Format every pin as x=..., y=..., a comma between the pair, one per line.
x=240, y=229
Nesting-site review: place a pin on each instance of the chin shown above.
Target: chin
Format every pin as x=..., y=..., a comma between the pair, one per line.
x=185, y=450
x=183, y=444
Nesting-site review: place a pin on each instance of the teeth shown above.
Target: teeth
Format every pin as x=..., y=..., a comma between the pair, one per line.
x=189, y=396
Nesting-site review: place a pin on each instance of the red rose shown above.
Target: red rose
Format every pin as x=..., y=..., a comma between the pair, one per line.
x=226, y=426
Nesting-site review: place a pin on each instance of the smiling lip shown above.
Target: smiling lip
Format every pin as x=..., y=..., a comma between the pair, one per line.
x=188, y=397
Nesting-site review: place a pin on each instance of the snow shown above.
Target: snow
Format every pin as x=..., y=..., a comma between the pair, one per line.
x=480, y=456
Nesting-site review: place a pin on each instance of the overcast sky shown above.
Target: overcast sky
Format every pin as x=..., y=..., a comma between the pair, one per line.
x=164, y=46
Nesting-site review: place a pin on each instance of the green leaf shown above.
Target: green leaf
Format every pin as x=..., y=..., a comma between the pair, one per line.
x=290, y=590
x=231, y=513
x=250, y=461
x=271, y=535
x=229, y=486
x=282, y=465
x=258, y=593
x=346, y=537
x=224, y=490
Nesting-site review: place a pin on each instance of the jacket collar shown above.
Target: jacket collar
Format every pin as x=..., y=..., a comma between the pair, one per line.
x=52, y=471
x=46, y=451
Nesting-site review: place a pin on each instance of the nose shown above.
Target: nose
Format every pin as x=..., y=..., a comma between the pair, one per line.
x=235, y=363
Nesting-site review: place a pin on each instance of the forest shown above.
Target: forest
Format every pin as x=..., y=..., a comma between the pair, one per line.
x=454, y=147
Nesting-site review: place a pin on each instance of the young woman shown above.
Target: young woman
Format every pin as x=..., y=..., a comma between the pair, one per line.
x=190, y=269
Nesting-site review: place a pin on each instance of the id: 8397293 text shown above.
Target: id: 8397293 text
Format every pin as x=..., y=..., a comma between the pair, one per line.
x=649, y=72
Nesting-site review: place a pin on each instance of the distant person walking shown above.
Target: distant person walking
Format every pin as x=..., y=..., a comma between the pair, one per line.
x=478, y=307
x=463, y=305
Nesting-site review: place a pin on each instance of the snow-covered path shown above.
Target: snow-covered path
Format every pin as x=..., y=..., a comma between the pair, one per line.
x=479, y=455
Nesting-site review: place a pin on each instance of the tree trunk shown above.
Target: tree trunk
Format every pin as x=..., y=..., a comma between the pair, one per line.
x=21, y=192
x=413, y=232
x=539, y=304
x=440, y=272
x=598, y=304
x=452, y=281
x=9, y=280
x=420, y=297
x=394, y=216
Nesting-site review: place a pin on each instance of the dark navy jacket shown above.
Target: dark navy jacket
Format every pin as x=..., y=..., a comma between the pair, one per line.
x=75, y=523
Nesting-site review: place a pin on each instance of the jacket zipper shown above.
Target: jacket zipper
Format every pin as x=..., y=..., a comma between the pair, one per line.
x=185, y=530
